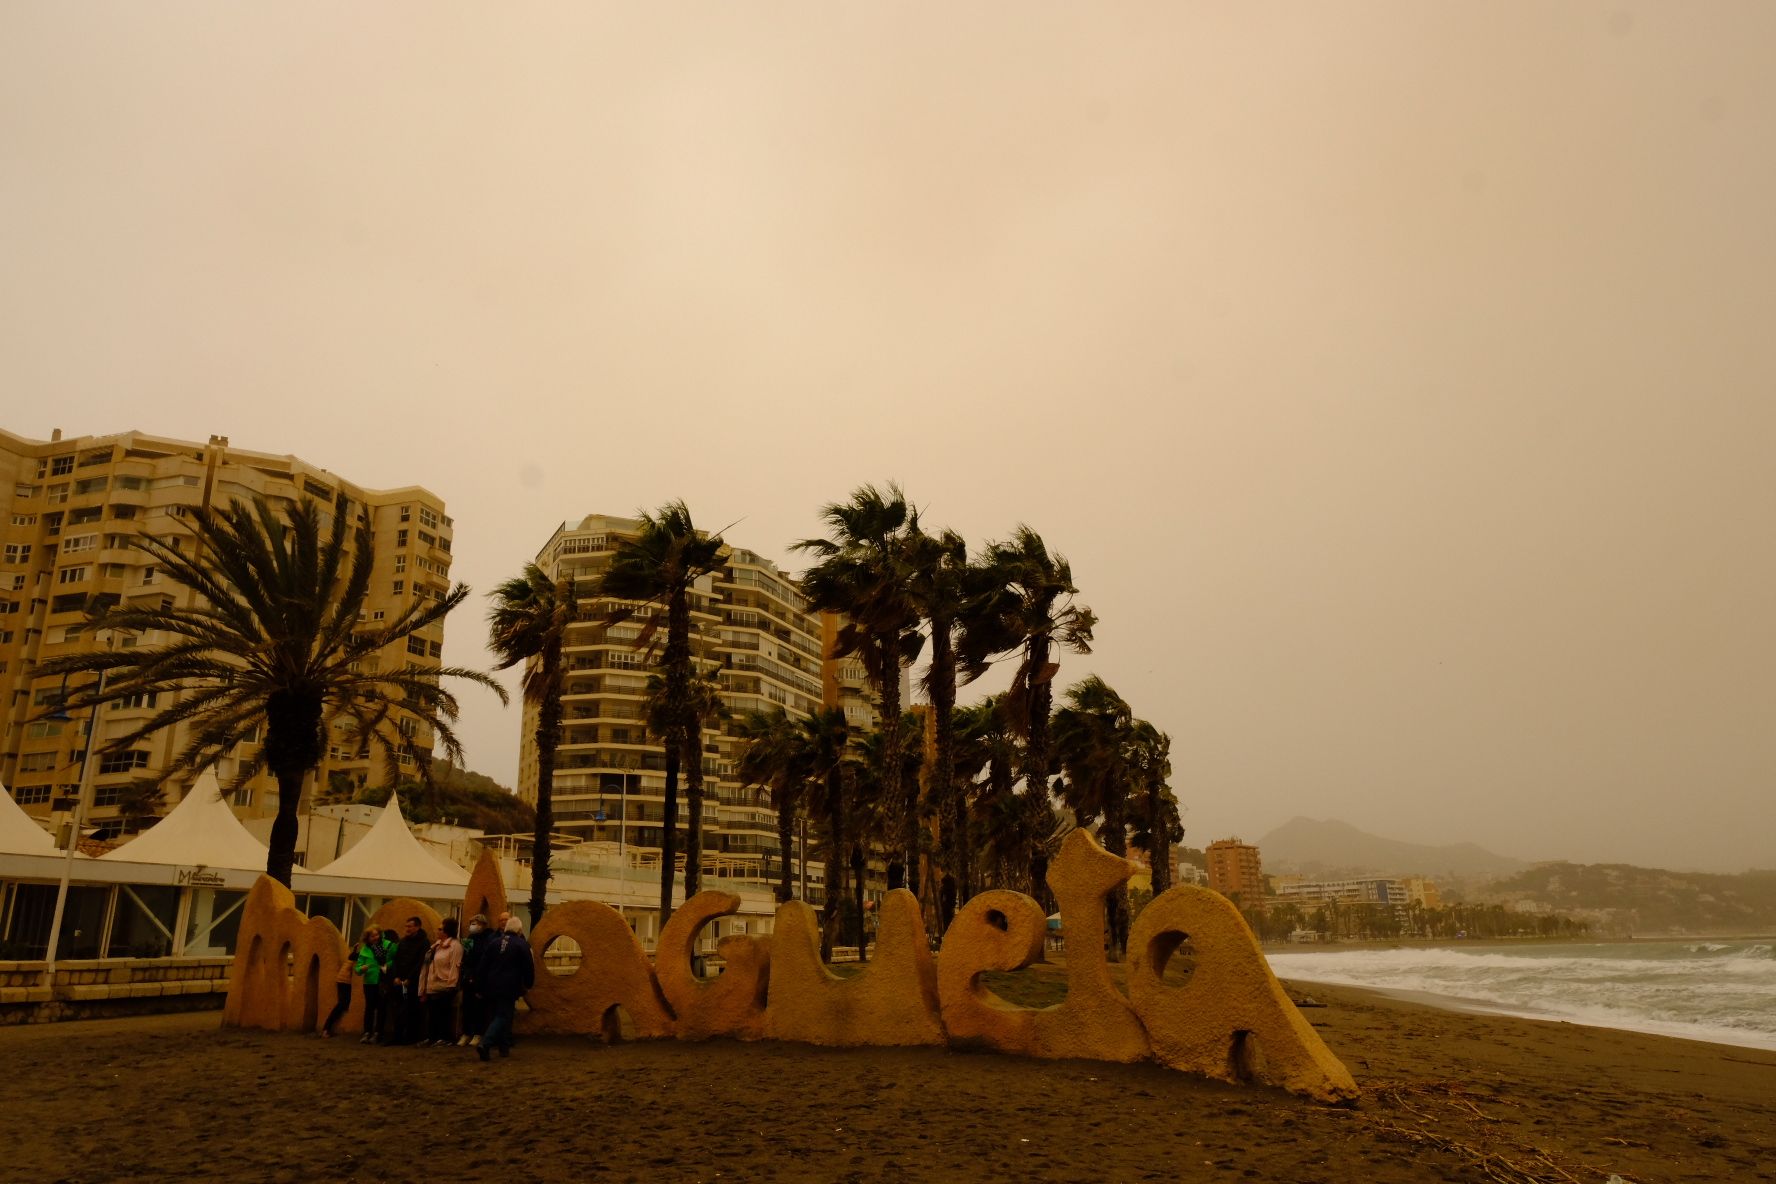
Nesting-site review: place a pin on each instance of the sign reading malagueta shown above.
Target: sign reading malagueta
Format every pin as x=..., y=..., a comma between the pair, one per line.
x=1230, y=1020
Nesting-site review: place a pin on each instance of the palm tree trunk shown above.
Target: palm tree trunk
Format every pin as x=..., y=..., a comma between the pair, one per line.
x=548, y=735
x=785, y=844
x=292, y=748
x=1116, y=905
x=835, y=860
x=892, y=791
x=669, y=836
x=693, y=759
x=857, y=897
x=942, y=779
x=1159, y=857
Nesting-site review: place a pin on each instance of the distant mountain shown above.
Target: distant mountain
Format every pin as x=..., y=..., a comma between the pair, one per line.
x=1649, y=899
x=1331, y=848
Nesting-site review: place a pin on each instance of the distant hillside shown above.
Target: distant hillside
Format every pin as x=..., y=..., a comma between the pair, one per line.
x=1326, y=848
x=1649, y=900
x=461, y=796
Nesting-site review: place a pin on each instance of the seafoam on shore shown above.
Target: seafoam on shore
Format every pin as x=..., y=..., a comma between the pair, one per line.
x=1716, y=990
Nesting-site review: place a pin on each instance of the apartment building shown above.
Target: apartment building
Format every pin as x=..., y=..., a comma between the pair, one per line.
x=754, y=632
x=71, y=508
x=1235, y=870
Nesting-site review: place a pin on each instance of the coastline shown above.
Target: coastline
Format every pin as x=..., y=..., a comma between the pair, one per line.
x=1448, y=1096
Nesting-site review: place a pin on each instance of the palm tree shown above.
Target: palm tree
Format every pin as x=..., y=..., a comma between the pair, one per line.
x=1153, y=808
x=528, y=623
x=862, y=573
x=685, y=752
x=873, y=812
x=1094, y=739
x=773, y=760
x=1028, y=607
x=274, y=637
x=942, y=586
x=657, y=568
x=822, y=743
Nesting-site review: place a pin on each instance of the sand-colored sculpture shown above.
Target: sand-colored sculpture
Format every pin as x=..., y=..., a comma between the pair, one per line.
x=893, y=1001
x=1231, y=1019
x=732, y=1005
x=613, y=972
x=486, y=893
x=284, y=964
x=1004, y=931
x=391, y=916
x=996, y=930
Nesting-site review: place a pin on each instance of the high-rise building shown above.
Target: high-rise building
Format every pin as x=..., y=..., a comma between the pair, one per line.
x=1235, y=870
x=754, y=632
x=71, y=509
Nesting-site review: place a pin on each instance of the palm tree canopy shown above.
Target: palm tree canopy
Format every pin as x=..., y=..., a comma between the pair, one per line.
x=1026, y=602
x=1093, y=739
x=862, y=571
x=661, y=563
x=529, y=619
x=276, y=625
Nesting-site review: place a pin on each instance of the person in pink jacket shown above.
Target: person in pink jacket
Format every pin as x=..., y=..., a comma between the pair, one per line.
x=438, y=982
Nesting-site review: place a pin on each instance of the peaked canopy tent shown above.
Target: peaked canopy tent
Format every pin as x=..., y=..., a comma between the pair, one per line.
x=19, y=835
x=177, y=888
x=200, y=832
x=390, y=852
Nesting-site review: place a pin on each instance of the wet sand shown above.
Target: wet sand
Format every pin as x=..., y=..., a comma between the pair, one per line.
x=1449, y=1096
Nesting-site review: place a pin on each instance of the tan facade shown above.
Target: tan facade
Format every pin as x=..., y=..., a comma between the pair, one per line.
x=70, y=508
x=1235, y=870
x=754, y=632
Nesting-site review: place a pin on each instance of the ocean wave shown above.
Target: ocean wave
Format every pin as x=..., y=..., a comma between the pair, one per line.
x=1726, y=994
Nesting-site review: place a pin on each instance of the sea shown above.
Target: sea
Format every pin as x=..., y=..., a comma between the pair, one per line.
x=1720, y=990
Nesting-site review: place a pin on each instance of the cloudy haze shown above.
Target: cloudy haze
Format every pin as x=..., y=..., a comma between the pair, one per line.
x=1398, y=378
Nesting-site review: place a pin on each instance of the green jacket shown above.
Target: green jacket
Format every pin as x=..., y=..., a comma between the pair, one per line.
x=368, y=964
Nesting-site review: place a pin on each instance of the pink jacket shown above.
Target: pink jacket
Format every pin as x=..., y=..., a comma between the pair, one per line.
x=443, y=969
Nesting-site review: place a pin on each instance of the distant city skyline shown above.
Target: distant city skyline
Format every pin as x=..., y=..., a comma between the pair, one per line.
x=1395, y=378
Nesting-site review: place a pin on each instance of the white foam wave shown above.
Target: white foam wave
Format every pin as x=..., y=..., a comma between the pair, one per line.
x=1726, y=994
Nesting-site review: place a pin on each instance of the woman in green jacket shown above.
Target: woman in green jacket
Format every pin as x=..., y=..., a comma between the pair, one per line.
x=368, y=964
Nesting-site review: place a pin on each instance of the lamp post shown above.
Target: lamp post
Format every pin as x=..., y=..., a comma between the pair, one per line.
x=78, y=815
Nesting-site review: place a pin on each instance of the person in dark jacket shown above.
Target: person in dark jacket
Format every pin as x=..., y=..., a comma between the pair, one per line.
x=474, y=1004
x=506, y=973
x=409, y=961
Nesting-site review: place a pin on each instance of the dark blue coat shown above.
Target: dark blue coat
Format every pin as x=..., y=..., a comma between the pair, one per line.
x=504, y=970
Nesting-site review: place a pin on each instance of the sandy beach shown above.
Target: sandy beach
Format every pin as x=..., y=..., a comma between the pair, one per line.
x=1449, y=1096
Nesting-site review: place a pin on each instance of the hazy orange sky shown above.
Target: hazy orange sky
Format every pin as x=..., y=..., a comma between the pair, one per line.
x=1399, y=378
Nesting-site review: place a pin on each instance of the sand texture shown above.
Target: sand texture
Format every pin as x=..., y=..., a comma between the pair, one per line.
x=1446, y=1097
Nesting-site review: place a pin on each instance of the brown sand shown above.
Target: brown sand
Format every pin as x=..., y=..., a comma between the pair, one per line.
x=1449, y=1097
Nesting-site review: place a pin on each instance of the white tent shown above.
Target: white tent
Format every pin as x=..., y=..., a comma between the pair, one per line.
x=390, y=852
x=18, y=834
x=200, y=831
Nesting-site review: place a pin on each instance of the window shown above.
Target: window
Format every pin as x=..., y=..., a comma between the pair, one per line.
x=436, y=648
x=85, y=514
x=98, y=456
x=123, y=513
x=5, y=637
x=61, y=465
x=430, y=539
x=91, y=485
x=75, y=544
x=377, y=615
x=106, y=795
x=123, y=762
x=428, y=517
x=137, y=700
x=416, y=645
x=400, y=538
x=72, y=575
x=148, y=575
x=406, y=513
x=73, y=602
x=37, y=762
x=43, y=730
x=315, y=489
x=18, y=552
x=400, y=587
x=71, y=633
x=24, y=520
x=29, y=795
x=400, y=564
x=132, y=483
x=18, y=583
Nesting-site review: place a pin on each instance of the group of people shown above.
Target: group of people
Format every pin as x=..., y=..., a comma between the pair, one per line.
x=415, y=985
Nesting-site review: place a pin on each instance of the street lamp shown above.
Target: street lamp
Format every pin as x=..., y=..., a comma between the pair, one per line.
x=77, y=814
